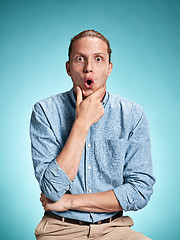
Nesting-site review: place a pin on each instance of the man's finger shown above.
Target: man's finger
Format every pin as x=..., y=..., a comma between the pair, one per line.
x=79, y=96
x=98, y=93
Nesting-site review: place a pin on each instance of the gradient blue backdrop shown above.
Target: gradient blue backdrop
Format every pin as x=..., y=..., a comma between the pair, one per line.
x=34, y=37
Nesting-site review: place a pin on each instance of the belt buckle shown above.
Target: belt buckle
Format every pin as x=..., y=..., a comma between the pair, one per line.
x=81, y=222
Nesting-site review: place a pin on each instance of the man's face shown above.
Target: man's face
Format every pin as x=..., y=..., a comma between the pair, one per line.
x=89, y=65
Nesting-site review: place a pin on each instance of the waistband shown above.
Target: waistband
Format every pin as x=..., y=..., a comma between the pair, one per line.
x=78, y=222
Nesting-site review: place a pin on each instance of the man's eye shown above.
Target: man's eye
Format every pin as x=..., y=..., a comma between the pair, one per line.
x=98, y=59
x=80, y=59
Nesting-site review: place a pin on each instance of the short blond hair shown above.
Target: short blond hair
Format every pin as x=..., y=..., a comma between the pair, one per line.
x=90, y=33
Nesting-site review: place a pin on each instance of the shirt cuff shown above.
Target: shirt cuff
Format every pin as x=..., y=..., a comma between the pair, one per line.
x=125, y=198
x=55, y=182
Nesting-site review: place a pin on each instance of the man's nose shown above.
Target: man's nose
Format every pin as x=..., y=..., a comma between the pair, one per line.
x=88, y=67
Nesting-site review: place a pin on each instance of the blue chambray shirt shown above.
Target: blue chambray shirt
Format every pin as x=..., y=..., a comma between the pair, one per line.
x=116, y=154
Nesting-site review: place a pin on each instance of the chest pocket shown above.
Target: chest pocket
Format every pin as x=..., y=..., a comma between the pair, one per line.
x=110, y=155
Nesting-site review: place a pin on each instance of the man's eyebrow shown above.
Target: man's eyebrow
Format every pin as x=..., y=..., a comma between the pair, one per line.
x=79, y=53
x=84, y=54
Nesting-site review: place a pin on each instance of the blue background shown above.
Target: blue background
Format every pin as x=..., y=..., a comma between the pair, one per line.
x=34, y=37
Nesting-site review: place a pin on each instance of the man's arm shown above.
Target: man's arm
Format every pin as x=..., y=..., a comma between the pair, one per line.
x=88, y=112
x=89, y=202
x=137, y=188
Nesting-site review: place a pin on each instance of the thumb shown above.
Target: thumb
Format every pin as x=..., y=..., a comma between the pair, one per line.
x=79, y=96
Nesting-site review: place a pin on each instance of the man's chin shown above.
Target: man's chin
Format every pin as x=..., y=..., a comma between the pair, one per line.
x=87, y=93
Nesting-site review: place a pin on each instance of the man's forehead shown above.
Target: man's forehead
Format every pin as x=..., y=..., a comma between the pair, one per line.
x=89, y=44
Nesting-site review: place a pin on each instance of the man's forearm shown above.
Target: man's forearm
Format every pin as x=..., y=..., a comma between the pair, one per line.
x=95, y=202
x=70, y=156
x=90, y=202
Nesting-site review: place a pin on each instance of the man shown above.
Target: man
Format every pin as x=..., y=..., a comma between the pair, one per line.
x=91, y=151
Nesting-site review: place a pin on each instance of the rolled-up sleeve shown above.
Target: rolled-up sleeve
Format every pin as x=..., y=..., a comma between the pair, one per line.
x=53, y=181
x=138, y=183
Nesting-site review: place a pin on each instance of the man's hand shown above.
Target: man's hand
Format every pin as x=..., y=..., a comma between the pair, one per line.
x=60, y=205
x=90, y=110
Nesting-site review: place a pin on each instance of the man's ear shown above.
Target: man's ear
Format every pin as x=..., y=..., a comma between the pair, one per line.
x=110, y=68
x=68, y=68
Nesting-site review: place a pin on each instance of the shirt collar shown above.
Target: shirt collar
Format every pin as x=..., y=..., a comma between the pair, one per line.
x=73, y=99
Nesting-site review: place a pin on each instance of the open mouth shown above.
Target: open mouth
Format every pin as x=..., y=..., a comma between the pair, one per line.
x=88, y=83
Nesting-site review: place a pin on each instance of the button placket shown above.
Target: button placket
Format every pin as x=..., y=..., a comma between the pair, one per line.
x=88, y=165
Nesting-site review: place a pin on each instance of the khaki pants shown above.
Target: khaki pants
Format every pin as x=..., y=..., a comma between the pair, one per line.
x=53, y=229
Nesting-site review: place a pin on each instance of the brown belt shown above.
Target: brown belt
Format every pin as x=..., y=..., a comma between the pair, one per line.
x=69, y=220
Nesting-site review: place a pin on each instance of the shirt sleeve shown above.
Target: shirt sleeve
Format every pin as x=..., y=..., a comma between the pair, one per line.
x=53, y=181
x=137, y=188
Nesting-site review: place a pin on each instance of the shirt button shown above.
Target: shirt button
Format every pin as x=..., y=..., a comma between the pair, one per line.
x=90, y=190
x=89, y=167
x=89, y=145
